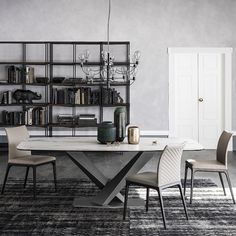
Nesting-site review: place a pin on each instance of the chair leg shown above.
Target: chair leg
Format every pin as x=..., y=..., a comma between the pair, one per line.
x=55, y=174
x=191, y=190
x=183, y=200
x=185, y=178
x=162, y=207
x=147, y=199
x=230, y=186
x=26, y=176
x=222, y=182
x=34, y=180
x=126, y=199
x=5, y=178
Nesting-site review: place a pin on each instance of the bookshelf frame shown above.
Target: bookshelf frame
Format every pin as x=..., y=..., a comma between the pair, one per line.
x=49, y=64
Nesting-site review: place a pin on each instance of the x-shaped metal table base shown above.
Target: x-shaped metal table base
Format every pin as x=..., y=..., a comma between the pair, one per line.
x=110, y=195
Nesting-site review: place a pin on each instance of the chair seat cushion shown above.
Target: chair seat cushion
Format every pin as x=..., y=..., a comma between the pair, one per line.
x=146, y=178
x=32, y=160
x=206, y=164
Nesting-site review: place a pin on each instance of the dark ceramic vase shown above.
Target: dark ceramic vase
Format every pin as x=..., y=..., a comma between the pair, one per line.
x=119, y=122
x=106, y=132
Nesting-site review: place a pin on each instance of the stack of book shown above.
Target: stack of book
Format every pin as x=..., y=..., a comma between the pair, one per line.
x=6, y=97
x=31, y=116
x=87, y=120
x=66, y=119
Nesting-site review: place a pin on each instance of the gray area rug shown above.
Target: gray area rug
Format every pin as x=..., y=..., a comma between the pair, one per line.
x=52, y=213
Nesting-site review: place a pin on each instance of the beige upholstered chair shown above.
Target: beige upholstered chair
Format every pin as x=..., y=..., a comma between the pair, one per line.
x=219, y=165
x=167, y=175
x=24, y=158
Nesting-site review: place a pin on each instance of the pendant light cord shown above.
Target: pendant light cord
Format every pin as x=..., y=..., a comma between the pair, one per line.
x=108, y=26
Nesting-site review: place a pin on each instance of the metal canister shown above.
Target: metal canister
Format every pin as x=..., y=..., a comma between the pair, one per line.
x=133, y=135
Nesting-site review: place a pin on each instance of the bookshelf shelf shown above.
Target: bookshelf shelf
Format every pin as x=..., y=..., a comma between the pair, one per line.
x=8, y=125
x=23, y=63
x=26, y=84
x=72, y=125
x=25, y=104
x=75, y=105
x=50, y=59
x=116, y=105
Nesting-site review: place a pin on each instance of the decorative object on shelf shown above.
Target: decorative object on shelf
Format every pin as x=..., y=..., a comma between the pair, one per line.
x=29, y=74
x=133, y=135
x=119, y=121
x=42, y=80
x=106, y=132
x=24, y=96
x=109, y=71
x=58, y=80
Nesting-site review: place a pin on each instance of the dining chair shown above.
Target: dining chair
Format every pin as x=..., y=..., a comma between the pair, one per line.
x=25, y=158
x=167, y=175
x=219, y=165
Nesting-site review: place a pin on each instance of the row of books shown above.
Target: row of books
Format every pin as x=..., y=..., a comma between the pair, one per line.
x=80, y=96
x=31, y=116
x=86, y=96
x=20, y=74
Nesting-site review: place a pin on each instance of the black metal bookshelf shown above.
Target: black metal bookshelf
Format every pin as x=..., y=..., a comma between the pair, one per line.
x=49, y=63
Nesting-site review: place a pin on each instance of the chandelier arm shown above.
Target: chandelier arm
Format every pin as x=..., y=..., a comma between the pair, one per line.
x=84, y=70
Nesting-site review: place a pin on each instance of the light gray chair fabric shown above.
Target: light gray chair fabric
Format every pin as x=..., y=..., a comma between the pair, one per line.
x=167, y=175
x=219, y=165
x=24, y=158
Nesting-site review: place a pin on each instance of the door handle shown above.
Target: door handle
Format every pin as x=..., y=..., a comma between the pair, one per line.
x=200, y=99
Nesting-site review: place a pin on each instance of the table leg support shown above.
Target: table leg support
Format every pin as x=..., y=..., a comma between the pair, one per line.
x=118, y=182
x=109, y=189
x=83, y=162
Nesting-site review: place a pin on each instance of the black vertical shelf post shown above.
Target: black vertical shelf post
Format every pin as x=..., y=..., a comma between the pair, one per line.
x=74, y=76
x=46, y=74
x=128, y=84
x=51, y=90
x=101, y=87
x=23, y=77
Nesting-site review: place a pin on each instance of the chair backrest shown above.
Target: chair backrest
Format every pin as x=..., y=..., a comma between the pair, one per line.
x=169, y=166
x=222, y=147
x=15, y=136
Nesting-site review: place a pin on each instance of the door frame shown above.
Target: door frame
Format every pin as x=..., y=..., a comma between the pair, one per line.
x=227, y=108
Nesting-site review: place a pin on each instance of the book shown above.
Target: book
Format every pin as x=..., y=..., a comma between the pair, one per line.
x=77, y=96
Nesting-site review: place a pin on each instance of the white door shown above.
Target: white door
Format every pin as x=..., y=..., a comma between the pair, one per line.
x=210, y=99
x=198, y=96
x=186, y=95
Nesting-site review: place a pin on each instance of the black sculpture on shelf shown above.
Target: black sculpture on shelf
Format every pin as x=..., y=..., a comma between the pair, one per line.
x=25, y=96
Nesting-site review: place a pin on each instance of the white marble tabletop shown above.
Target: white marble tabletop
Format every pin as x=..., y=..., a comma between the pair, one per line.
x=91, y=144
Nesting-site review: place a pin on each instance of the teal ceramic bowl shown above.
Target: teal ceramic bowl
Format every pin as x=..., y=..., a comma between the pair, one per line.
x=106, y=132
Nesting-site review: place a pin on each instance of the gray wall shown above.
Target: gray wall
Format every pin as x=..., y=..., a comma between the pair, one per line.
x=151, y=26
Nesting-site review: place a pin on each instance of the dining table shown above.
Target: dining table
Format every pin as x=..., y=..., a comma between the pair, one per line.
x=77, y=148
